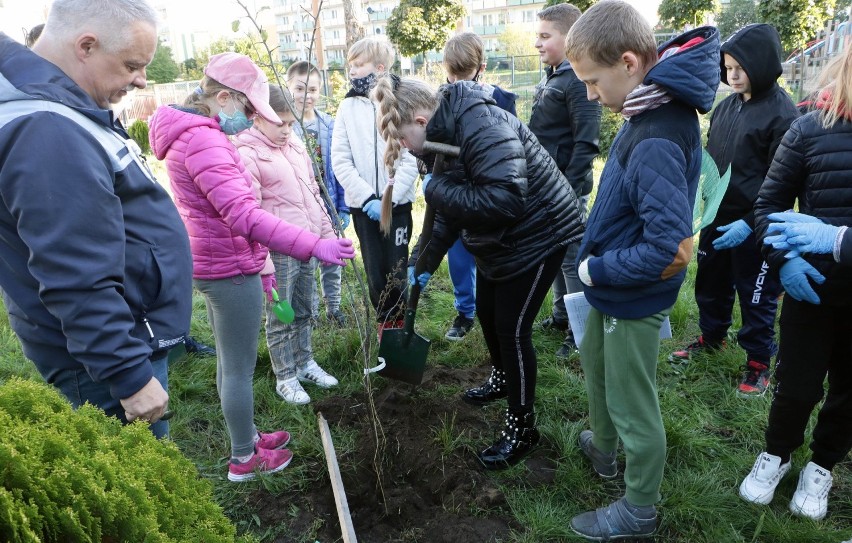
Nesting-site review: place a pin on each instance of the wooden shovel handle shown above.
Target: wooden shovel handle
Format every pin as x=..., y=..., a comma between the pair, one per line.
x=441, y=151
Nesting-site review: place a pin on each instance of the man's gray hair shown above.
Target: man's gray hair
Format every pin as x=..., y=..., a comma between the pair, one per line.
x=108, y=19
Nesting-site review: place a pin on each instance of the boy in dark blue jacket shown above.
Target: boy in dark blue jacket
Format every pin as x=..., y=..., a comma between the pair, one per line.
x=745, y=130
x=568, y=125
x=638, y=242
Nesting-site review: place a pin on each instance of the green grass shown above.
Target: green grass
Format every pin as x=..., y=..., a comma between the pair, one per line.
x=713, y=436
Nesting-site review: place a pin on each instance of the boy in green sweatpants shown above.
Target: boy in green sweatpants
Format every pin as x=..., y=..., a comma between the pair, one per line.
x=638, y=242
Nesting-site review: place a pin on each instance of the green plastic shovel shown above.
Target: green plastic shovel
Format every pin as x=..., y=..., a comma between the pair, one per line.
x=282, y=308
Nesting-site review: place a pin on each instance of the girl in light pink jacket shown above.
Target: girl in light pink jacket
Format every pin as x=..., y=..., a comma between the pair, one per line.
x=229, y=235
x=283, y=177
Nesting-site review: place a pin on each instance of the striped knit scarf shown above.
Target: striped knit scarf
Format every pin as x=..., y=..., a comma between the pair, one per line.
x=644, y=98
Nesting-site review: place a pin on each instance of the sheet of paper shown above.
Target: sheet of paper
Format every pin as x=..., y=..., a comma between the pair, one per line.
x=578, y=312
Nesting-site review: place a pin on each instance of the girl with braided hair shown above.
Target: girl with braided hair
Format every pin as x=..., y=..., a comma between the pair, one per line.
x=514, y=211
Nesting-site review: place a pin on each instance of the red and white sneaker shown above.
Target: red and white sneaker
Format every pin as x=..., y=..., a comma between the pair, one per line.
x=263, y=461
x=272, y=441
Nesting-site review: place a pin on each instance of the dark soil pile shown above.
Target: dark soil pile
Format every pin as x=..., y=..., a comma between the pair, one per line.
x=432, y=487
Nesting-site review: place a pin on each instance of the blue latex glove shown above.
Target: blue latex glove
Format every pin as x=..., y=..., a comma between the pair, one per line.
x=734, y=234
x=780, y=241
x=344, y=219
x=373, y=209
x=804, y=237
x=791, y=216
x=422, y=279
x=794, y=277
x=425, y=181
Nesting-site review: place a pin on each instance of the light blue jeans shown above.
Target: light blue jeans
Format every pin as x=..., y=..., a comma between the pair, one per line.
x=290, y=344
x=330, y=277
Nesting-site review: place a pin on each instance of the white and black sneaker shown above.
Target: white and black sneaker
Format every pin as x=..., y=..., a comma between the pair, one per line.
x=313, y=373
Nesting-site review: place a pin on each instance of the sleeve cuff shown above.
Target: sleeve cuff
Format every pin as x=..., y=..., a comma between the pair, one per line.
x=583, y=273
x=838, y=242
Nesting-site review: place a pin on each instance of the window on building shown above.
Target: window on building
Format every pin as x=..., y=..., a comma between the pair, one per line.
x=528, y=16
x=378, y=30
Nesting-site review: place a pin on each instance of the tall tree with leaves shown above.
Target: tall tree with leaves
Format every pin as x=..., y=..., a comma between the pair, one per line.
x=679, y=13
x=797, y=21
x=163, y=68
x=735, y=15
x=418, y=26
x=583, y=5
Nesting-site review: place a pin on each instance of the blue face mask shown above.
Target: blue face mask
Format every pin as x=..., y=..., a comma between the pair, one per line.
x=235, y=123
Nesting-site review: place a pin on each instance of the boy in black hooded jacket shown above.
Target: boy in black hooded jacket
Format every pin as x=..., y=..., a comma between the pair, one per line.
x=745, y=130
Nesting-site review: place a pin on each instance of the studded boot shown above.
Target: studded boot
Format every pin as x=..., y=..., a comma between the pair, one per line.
x=493, y=389
x=517, y=439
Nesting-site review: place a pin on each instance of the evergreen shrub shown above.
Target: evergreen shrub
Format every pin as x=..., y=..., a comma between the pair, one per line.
x=139, y=132
x=81, y=476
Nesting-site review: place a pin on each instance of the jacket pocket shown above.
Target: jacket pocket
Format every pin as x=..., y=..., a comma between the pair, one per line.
x=142, y=278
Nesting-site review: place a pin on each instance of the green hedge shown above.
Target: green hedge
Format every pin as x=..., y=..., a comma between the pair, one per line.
x=80, y=476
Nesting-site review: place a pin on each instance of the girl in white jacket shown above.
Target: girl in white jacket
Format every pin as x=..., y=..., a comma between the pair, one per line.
x=357, y=149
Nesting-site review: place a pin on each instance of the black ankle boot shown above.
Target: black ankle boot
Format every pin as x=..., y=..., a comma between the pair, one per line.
x=516, y=440
x=493, y=389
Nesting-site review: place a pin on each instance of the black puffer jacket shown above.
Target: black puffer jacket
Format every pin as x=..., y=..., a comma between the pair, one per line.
x=504, y=194
x=813, y=165
x=744, y=135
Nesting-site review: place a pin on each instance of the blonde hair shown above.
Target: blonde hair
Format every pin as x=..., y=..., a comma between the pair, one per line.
x=398, y=104
x=609, y=29
x=463, y=54
x=209, y=88
x=372, y=49
x=836, y=81
x=563, y=16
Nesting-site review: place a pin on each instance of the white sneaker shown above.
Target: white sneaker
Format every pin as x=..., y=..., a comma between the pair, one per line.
x=759, y=485
x=811, y=496
x=292, y=392
x=312, y=373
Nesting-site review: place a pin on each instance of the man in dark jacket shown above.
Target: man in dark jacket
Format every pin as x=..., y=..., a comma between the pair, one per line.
x=568, y=126
x=745, y=130
x=95, y=267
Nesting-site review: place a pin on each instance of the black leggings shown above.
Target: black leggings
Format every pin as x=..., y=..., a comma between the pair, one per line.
x=816, y=340
x=506, y=311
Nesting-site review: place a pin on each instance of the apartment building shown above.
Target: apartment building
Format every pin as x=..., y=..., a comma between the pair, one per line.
x=293, y=23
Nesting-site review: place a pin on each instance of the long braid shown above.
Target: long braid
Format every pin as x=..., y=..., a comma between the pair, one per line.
x=389, y=123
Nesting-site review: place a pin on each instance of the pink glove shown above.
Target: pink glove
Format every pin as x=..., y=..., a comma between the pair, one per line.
x=333, y=251
x=269, y=283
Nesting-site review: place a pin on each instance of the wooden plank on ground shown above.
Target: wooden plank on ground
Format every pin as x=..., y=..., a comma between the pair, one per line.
x=346, y=527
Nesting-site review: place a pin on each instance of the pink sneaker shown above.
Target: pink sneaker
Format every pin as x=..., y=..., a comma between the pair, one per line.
x=275, y=440
x=264, y=461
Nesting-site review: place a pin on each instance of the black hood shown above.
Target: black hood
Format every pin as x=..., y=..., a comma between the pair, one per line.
x=456, y=98
x=757, y=48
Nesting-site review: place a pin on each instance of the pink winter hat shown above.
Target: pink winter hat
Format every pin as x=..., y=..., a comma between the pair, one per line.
x=241, y=74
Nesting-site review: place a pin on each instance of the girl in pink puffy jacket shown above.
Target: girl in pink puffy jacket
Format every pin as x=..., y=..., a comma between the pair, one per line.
x=229, y=235
x=282, y=174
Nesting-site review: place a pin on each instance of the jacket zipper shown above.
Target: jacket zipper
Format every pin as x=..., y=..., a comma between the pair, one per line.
x=730, y=130
x=148, y=326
